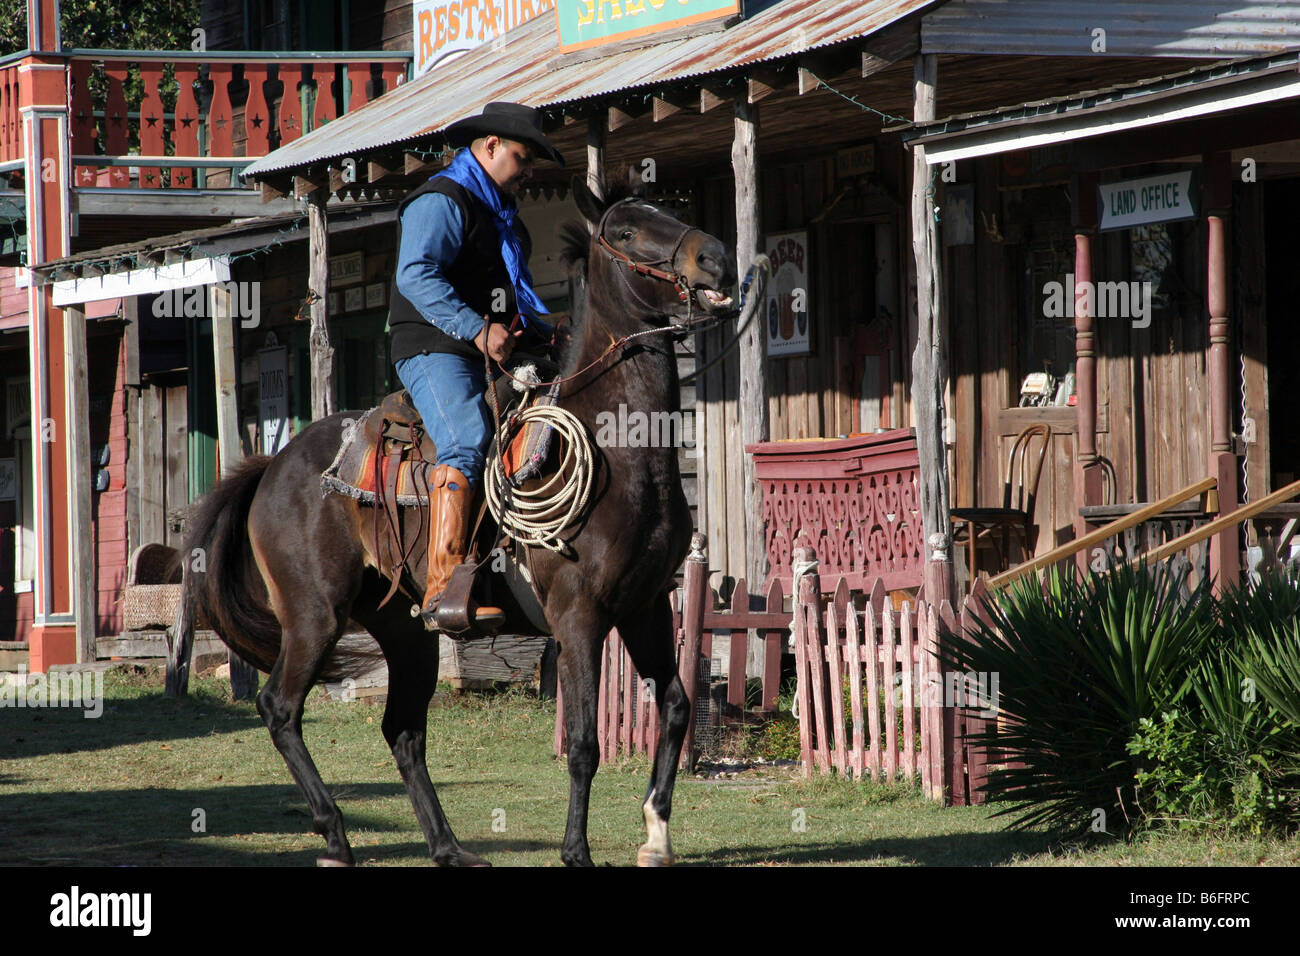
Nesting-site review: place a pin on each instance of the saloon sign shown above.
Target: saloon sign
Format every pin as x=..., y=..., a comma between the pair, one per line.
x=587, y=23
x=443, y=27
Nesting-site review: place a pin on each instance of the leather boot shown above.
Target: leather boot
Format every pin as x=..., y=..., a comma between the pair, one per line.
x=450, y=501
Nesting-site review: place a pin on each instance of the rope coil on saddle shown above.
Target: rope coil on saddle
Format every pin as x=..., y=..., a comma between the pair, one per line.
x=537, y=516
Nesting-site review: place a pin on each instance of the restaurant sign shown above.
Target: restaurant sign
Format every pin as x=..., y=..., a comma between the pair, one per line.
x=444, y=27
x=588, y=23
x=1140, y=202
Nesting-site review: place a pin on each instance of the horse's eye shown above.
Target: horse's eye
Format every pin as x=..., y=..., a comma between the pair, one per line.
x=627, y=235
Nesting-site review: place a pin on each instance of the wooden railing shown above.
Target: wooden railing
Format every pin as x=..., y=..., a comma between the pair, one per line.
x=1222, y=523
x=1071, y=548
x=187, y=120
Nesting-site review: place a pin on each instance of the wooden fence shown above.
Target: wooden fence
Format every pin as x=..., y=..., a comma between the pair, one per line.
x=873, y=698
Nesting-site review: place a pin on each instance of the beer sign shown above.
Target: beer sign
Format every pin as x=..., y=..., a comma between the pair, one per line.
x=786, y=310
x=588, y=23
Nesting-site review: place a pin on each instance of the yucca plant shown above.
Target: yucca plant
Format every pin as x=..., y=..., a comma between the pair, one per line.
x=1080, y=662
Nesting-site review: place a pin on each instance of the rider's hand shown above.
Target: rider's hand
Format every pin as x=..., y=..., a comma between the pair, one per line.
x=497, y=341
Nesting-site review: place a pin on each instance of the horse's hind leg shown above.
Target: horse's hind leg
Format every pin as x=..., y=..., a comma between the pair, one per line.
x=649, y=639
x=412, y=654
x=305, y=645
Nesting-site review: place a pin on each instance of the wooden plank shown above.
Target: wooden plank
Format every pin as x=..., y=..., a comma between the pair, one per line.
x=81, y=519
x=853, y=654
x=772, y=641
x=909, y=678
x=871, y=658
x=1101, y=534
x=628, y=697
x=836, y=683
x=889, y=686
x=318, y=280
x=226, y=373
x=177, y=461
x=738, y=649
x=817, y=678
x=613, y=678
x=149, y=467
x=803, y=674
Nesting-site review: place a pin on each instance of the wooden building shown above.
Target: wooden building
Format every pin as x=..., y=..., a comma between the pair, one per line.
x=920, y=285
x=110, y=428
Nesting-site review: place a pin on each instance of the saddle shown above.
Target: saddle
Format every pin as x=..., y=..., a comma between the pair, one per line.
x=386, y=460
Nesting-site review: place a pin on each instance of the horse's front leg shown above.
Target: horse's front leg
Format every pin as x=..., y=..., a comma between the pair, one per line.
x=581, y=640
x=649, y=641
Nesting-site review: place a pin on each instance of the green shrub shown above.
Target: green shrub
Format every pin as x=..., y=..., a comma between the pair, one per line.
x=1081, y=663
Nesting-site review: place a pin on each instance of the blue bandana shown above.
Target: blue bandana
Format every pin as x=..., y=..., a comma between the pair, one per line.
x=466, y=171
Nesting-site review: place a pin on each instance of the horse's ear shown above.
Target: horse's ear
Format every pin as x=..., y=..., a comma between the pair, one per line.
x=590, y=205
x=635, y=182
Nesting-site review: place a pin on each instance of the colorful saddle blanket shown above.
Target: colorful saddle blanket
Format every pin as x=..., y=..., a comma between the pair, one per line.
x=393, y=426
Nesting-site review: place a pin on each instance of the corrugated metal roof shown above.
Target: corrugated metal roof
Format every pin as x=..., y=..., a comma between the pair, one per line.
x=1227, y=71
x=518, y=67
x=1187, y=28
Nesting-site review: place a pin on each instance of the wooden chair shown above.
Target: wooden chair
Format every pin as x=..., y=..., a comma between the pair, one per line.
x=1016, y=516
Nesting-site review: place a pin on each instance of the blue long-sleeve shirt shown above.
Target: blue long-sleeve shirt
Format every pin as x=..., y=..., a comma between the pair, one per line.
x=432, y=232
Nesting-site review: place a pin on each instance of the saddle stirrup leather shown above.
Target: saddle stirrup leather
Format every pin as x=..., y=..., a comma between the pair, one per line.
x=448, y=579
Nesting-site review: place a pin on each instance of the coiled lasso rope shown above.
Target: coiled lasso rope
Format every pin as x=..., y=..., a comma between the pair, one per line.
x=538, y=515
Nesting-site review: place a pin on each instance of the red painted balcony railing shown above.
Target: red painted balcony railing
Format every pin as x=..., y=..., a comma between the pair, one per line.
x=855, y=501
x=181, y=121
x=11, y=124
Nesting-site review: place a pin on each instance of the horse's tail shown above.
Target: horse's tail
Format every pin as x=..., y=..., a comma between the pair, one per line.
x=224, y=587
x=222, y=583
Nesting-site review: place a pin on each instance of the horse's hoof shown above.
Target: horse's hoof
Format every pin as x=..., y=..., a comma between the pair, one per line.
x=328, y=861
x=646, y=856
x=461, y=858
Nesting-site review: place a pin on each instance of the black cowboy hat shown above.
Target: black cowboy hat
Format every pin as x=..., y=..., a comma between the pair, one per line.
x=508, y=120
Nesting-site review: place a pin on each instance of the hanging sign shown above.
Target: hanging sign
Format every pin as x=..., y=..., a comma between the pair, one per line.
x=1140, y=202
x=786, y=309
x=444, y=27
x=273, y=398
x=587, y=23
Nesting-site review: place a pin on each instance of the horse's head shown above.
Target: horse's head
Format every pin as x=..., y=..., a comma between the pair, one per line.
x=654, y=265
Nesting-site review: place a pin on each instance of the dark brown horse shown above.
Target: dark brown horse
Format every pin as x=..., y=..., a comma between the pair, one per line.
x=287, y=569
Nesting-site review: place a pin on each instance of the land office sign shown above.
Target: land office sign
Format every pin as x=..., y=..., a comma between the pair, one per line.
x=1141, y=202
x=588, y=23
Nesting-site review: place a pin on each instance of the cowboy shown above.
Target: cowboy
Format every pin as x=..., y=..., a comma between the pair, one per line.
x=463, y=290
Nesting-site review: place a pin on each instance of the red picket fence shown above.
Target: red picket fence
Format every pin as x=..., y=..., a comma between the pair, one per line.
x=875, y=700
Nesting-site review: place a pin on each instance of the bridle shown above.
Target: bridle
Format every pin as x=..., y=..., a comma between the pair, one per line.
x=684, y=289
x=685, y=293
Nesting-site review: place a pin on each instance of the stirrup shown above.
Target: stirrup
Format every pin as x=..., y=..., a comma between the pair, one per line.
x=453, y=612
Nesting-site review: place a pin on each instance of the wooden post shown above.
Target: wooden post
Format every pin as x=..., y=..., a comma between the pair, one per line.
x=930, y=359
x=83, y=544
x=226, y=366
x=596, y=152
x=1087, y=469
x=322, y=354
x=693, y=608
x=753, y=349
x=1225, y=552
x=243, y=676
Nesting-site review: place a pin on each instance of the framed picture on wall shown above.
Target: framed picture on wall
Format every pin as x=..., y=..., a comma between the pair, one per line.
x=786, y=311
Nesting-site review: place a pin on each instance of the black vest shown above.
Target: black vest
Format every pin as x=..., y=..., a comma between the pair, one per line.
x=476, y=275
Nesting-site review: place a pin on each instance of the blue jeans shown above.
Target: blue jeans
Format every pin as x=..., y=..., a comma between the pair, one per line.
x=448, y=392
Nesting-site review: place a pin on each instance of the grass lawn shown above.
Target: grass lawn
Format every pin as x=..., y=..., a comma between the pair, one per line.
x=133, y=787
